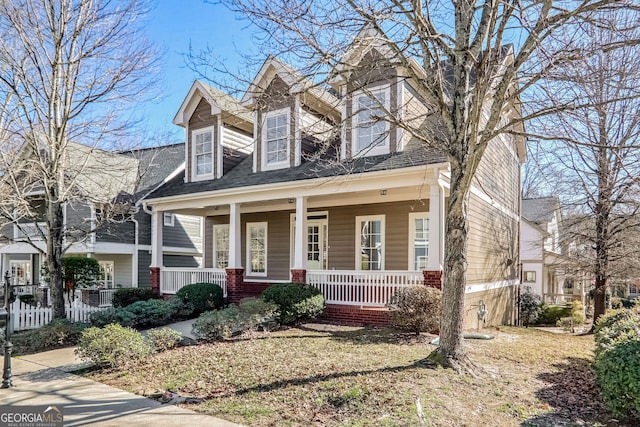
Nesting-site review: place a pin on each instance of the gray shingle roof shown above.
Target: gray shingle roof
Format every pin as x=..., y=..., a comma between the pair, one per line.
x=155, y=164
x=242, y=175
x=540, y=209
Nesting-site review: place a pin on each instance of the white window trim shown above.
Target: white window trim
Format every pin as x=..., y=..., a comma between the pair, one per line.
x=113, y=274
x=292, y=231
x=359, y=219
x=263, y=140
x=194, y=166
x=412, y=232
x=266, y=248
x=215, y=249
x=355, y=133
x=168, y=219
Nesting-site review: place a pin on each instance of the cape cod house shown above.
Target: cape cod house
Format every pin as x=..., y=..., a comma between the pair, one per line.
x=297, y=182
x=122, y=247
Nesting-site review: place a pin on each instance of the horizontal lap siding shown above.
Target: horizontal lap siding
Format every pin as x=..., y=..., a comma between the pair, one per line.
x=278, y=242
x=122, y=264
x=500, y=304
x=144, y=274
x=342, y=229
x=185, y=232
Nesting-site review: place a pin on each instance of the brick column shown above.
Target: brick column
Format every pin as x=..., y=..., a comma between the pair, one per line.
x=155, y=279
x=433, y=278
x=235, y=281
x=299, y=276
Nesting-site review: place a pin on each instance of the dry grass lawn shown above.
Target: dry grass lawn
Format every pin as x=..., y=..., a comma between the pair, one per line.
x=339, y=376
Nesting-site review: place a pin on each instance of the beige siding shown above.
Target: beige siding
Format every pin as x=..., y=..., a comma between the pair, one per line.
x=208, y=237
x=278, y=242
x=500, y=305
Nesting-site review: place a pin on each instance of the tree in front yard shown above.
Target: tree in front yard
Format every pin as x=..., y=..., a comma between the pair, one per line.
x=67, y=69
x=479, y=61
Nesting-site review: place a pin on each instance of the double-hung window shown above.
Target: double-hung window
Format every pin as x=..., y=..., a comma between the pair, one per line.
x=371, y=136
x=418, y=241
x=221, y=246
x=203, y=153
x=257, y=248
x=275, y=137
x=370, y=242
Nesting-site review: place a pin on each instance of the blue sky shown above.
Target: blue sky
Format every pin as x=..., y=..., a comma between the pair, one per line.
x=173, y=25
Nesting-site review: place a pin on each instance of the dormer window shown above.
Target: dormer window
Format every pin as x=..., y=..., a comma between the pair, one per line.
x=275, y=137
x=202, y=140
x=371, y=136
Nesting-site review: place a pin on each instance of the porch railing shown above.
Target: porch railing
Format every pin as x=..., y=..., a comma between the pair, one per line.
x=363, y=288
x=173, y=279
x=106, y=297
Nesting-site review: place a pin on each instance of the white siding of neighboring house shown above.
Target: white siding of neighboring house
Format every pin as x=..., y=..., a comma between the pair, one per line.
x=531, y=254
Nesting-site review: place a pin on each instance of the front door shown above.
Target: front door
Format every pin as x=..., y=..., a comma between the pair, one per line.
x=20, y=273
x=317, y=244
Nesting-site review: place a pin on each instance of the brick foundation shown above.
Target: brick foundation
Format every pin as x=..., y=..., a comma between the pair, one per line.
x=155, y=279
x=253, y=289
x=355, y=315
x=433, y=278
x=299, y=276
x=235, y=284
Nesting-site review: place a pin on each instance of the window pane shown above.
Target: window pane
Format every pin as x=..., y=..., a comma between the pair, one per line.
x=221, y=246
x=420, y=243
x=371, y=245
x=257, y=249
x=277, y=131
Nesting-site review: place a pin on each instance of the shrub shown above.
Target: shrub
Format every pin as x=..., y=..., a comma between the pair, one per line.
x=216, y=325
x=202, y=296
x=28, y=299
x=295, y=301
x=80, y=270
x=121, y=316
x=180, y=309
x=530, y=306
x=550, y=314
x=258, y=313
x=614, y=327
x=618, y=376
x=416, y=309
x=112, y=346
x=153, y=312
x=127, y=296
x=58, y=333
x=163, y=339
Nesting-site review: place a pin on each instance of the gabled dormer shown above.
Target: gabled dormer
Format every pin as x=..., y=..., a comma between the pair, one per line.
x=218, y=132
x=292, y=116
x=375, y=85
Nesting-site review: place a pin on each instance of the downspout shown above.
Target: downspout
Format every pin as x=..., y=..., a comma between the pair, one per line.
x=134, y=261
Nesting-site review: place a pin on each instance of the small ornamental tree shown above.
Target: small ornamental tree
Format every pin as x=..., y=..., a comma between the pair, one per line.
x=80, y=271
x=530, y=306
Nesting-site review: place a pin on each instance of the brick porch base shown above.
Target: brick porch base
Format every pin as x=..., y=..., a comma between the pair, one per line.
x=355, y=315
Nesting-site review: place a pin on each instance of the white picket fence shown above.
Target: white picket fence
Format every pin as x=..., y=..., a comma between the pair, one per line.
x=26, y=316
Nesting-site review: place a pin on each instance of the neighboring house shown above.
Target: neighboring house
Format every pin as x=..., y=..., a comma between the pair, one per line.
x=301, y=183
x=546, y=265
x=122, y=247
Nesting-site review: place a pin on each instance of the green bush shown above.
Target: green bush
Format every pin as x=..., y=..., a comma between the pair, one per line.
x=530, y=306
x=618, y=376
x=153, y=312
x=163, y=339
x=127, y=296
x=58, y=333
x=80, y=270
x=416, y=309
x=28, y=299
x=119, y=315
x=614, y=327
x=623, y=302
x=220, y=324
x=550, y=314
x=112, y=346
x=258, y=313
x=295, y=301
x=202, y=296
x=180, y=309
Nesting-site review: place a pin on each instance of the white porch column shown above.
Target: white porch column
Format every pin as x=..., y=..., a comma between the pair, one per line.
x=301, y=235
x=436, y=228
x=235, y=237
x=156, y=238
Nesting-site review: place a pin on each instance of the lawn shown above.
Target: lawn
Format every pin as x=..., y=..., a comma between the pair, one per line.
x=340, y=376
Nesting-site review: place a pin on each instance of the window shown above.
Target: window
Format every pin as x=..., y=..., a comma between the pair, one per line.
x=20, y=273
x=418, y=241
x=221, y=246
x=107, y=271
x=202, y=141
x=370, y=242
x=371, y=131
x=529, y=276
x=168, y=219
x=257, y=248
x=275, y=137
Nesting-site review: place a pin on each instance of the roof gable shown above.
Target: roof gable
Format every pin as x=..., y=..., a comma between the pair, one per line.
x=218, y=100
x=541, y=209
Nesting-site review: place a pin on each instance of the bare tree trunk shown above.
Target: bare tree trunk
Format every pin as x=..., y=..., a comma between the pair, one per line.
x=54, y=253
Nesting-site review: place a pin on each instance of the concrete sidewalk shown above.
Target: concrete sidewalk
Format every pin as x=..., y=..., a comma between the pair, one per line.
x=45, y=379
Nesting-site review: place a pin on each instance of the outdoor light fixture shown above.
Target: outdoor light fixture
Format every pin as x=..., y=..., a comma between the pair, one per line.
x=383, y=192
x=5, y=312
x=291, y=200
